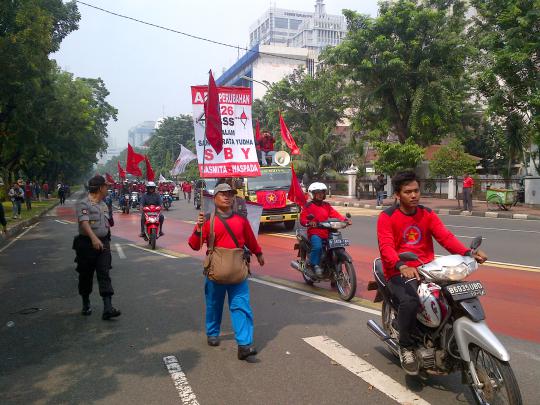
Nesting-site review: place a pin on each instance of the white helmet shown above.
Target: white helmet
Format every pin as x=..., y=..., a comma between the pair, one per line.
x=313, y=187
x=150, y=184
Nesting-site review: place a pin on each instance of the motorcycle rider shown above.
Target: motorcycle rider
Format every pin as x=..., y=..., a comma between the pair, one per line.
x=151, y=198
x=410, y=227
x=321, y=211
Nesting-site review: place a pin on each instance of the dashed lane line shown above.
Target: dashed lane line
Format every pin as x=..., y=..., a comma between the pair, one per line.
x=180, y=380
x=19, y=236
x=61, y=222
x=364, y=370
x=169, y=254
x=120, y=251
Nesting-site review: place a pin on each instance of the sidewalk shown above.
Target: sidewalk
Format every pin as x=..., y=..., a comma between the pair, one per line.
x=445, y=207
x=15, y=226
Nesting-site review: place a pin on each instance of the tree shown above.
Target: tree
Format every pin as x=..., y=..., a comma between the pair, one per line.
x=395, y=157
x=451, y=160
x=406, y=69
x=508, y=33
x=311, y=107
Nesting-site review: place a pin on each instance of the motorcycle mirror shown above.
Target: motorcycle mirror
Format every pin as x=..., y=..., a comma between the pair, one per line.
x=348, y=215
x=310, y=217
x=476, y=242
x=408, y=256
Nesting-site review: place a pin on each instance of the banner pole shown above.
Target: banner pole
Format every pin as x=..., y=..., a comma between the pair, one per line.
x=203, y=183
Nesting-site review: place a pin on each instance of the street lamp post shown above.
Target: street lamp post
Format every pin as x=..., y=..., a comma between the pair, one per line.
x=250, y=79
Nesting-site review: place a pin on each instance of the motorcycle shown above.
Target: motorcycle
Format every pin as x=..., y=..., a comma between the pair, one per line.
x=167, y=200
x=151, y=224
x=134, y=199
x=125, y=203
x=451, y=334
x=335, y=261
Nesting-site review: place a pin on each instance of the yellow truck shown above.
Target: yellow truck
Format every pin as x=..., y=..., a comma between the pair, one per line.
x=270, y=190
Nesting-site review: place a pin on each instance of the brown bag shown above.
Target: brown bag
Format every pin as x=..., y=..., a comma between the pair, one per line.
x=223, y=265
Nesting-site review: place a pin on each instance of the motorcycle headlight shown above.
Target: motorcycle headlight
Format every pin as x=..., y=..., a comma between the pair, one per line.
x=455, y=273
x=294, y=208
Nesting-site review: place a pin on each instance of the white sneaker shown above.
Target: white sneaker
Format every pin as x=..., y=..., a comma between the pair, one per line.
x=409, y=362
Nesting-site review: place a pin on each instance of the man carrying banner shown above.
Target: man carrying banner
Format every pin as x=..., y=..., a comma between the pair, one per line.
x=227, y=235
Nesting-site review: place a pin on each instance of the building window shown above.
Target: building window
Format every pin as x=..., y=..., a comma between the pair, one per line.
x=281, y=22
x=294, y=24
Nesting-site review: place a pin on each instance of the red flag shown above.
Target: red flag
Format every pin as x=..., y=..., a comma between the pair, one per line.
x=213, y=131
x=121, y=172
x=271, y=199
x=132, y=162
x=296, y=194
x=287, y=137
x=109, y=178
x=150, y=176
x=257, y=133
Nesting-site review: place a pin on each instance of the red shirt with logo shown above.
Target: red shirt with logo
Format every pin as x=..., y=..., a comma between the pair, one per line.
x=321, y=212
x=398, y=232
x=468, y=182
x=267, y=144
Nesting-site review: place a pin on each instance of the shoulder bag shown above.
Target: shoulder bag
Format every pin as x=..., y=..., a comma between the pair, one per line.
x=224, y=265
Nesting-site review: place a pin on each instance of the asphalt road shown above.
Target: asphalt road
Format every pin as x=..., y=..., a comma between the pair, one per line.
x=54, y=355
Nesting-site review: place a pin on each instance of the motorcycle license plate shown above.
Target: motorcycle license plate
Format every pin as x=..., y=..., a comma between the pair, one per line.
x=466, y=290
x=337, y=243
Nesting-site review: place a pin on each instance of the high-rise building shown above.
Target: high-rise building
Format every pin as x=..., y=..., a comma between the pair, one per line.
x=139, y=134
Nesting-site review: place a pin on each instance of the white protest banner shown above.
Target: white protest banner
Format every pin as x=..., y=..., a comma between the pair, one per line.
x=182, y=161
x=239, y=156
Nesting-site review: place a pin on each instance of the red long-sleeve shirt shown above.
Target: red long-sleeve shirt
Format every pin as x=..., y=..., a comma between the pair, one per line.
x=398, y=232
x=240, y=228
x=468, y=182
x=321, y=212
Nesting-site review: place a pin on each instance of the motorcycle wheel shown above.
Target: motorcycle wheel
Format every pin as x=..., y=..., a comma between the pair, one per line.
x=500, y=385
x=346, y=281
x=153, y=238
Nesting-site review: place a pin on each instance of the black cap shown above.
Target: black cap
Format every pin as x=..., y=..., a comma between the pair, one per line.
x=96, y=182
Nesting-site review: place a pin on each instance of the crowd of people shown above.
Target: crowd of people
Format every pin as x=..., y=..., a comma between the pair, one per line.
x=28, y=191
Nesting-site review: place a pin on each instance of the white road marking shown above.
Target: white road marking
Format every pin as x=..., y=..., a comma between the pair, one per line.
x=492, y=229
x=19, y=237
x=120, y=251
x=317, y=297
x=152, y=251
x=364, y=370
x=181, y=383
x=528, y=354
x=61, y=222
x=468, y=237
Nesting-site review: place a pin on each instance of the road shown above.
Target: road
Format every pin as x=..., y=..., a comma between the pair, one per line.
x=53, y=355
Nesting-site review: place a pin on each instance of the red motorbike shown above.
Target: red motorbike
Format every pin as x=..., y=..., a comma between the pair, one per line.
x=151, y=224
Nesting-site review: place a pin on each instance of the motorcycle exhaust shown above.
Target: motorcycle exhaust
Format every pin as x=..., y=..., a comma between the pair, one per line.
x=381, y=334
x=295, y=265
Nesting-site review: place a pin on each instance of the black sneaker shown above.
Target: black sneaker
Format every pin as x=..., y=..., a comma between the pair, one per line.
x=87, y=310
x=212, y=340
x=409, y=362
x=161, y=233
x=111, y=313
x=245, y=351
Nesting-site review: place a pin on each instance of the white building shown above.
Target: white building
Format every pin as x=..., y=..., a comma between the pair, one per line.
x=139, y=134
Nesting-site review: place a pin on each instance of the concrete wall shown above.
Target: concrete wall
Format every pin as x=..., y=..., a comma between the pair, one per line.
x=532, y=190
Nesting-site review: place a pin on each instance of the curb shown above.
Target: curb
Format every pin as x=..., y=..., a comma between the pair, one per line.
x=446, y=211
x=12, y=232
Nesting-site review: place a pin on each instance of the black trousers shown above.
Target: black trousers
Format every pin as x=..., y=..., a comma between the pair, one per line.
x=404, y=291
x=90, y=261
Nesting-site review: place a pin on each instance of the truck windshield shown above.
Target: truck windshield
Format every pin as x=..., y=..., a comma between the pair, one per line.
x=271, y=179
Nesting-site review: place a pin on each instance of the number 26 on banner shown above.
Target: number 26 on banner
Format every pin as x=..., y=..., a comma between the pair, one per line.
x=227, y=110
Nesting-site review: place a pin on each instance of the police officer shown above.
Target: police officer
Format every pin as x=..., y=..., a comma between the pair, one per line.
x=151, y=198
x=92, y=247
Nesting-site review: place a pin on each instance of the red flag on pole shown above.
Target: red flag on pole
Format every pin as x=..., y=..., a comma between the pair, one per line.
x=287, y=137
x=109, y=178
x=132, y=162
x=213, y=131
x=121, y=172
x=296, y=194
x=150, y=176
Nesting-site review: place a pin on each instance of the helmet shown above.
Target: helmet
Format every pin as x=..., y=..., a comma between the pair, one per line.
x=150, y=184
x=314, y=187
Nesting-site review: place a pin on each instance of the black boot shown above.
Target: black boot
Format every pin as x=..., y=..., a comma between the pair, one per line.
x=245, y=351
x=108, y=310
x=86, y=308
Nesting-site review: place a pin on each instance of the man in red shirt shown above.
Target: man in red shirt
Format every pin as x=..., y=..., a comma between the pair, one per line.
x=239, y=307
x=187, y=190
x=321, y=211
x=468, y=184
x=267, y=147
x=410, y=227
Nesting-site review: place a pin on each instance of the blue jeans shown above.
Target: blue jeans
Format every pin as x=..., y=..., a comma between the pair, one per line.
x=316, y=250
x=380, y=197
x=239, y=307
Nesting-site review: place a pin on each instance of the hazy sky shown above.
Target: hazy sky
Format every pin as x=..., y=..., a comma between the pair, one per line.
x=148, y=70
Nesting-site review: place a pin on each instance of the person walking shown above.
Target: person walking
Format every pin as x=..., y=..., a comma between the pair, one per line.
x=379, y=189
x=92, y=247
x=16, y=195
x=28, y=195
x=227, y=235
x=45, y=188
x=62, y=193
x=189, y=189
x=468, y=184
x=37, y=191
x=3, y=221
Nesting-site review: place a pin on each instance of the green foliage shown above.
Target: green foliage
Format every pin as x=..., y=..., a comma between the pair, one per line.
x=394, y=157
x=508, y=34
x=406, y=69
x=451, y=160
